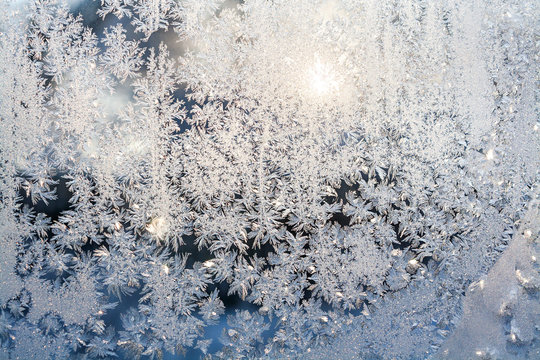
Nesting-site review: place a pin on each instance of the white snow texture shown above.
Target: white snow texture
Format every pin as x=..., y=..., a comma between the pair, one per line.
x=269, y=179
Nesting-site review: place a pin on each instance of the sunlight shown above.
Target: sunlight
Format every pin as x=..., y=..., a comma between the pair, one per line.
x=322, y=79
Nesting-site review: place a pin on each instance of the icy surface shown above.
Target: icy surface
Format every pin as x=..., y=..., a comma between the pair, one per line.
x=269, y=179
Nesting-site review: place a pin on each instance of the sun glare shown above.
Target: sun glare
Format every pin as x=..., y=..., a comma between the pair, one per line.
x=322, y=79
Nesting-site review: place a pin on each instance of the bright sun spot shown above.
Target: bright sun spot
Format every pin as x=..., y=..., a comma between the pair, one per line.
x=322, y=79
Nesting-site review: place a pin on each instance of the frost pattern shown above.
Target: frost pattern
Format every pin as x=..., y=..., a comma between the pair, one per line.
x=346, y=171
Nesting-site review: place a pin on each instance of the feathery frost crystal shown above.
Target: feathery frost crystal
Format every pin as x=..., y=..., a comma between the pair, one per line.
x=269, y=179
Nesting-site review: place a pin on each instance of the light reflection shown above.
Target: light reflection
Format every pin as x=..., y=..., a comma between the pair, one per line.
x=157, y=227
x=490, y=155
x=323, y=79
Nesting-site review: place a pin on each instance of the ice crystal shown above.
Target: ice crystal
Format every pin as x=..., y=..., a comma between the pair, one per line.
x=308, y=179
